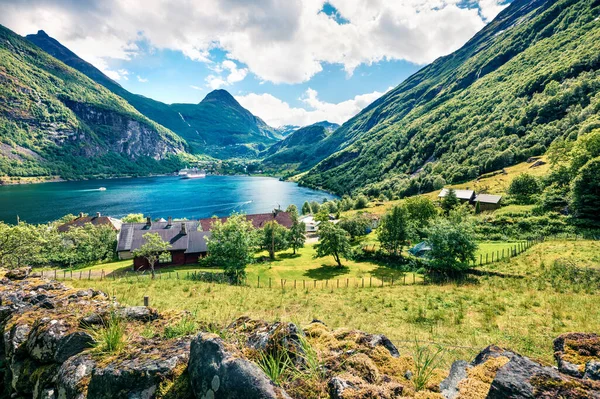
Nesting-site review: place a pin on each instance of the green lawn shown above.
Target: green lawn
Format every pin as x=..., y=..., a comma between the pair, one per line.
x=514, y=308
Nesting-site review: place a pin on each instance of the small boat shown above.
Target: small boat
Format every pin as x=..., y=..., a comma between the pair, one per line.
x=102, y=189
x=194, y=173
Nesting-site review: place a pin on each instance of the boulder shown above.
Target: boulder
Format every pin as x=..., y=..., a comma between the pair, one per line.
x=141, y=374
x=573, y=351
x=458, y=372
x=137, y=313
x=18, y=274
x=337, y=386
x=53, y=340
x=216, y=372
x=523, y=378
x=73, y=377
x=592, y=371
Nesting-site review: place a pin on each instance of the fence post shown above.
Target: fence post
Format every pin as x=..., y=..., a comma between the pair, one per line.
x=269, y=282
x=146, y=301
x=90, y=274
x=382, y=281
x=480, y=259
x=404, y=282
x=347, y=282
x=294, y=283
x=363, y=282
x=303, y=284
x=64, y=274
x=314, y=283
x=338, y=283
x=370, y=282
x=413, y=278
x=80, y=274
x=486, y=259
x=392, y=281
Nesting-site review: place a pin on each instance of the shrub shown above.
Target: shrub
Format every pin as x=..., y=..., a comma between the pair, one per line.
x=452, y=244
x=523, y=188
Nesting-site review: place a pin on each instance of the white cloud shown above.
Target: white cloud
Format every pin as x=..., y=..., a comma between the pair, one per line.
x=196, y=87
x=233, y=75
x=281, y=41
x=277, y=112
x=141, y=80
x=116, y=75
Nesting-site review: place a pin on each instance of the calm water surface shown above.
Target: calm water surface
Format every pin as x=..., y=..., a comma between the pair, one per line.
x=153, y=196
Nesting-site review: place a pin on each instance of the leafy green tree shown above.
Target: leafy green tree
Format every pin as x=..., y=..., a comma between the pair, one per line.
x=231, y=245
x=452, y=244
x=420, y=211
x=356, y=225
x=322, y=215
x=297, y=232
x=19, y=244
x=523, y=188
x=315, y=207
x=152, y=250
x=334, y=241
x=134, y=218
x=393, y=230
x=306, y=210
x=361, y=202
x=585, y=192
x=292, y=209
x=274, y=238
x=450, y=201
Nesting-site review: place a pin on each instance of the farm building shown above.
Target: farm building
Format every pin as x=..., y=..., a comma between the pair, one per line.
x=488, y=202
x=463, y=195
x=258, y=220
x=188, y=243
x=97, y=220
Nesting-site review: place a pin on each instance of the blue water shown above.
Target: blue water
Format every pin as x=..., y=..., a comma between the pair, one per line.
x=153, y=196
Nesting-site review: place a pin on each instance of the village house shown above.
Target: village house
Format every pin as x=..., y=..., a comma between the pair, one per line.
x=462, y=195
x=488, y=202
x=188, y=238
x=97, y=220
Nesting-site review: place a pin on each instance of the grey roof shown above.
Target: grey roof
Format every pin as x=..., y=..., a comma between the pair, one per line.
x=488, y=198
x=460, y=194
x=132, y=236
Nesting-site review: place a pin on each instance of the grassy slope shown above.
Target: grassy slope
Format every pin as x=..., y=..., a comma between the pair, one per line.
x=527, y=78
x=518, y=313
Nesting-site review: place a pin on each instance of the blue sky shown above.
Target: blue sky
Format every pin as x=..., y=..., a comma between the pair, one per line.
x=288, y=61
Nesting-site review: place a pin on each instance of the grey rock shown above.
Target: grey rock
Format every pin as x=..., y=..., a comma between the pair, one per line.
x=408, y=375
x=18, y=274
x=592, y=371
x=140, y=376
x=449, y=386
x=336, y=387
x=564, y=366
x=15, y=339
x=72, y=375
x=137, y=313
x=374, y=340
x=238, y=377
x=51, y=341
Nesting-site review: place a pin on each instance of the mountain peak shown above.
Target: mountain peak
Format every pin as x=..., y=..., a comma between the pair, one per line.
x=222, y=96
x=42, y=33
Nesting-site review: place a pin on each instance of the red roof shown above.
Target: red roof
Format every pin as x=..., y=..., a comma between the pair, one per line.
x=95, y=220
x=258, y=220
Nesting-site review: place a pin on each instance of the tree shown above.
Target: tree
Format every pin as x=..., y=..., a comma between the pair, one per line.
x=585, y=191
x=231, y=245
x=334, y=241
x=420, y=211
x=356, y=226
x=292, y=209
x=450, y=201
x=452, y=245
x=19, y=244
x=523, y=188
x=314, y=207
x=296, y=233
x=361, y=202
x=393, y=231
x=134, y=218
x=152, y=250
x=306, y=208
x=274, y=238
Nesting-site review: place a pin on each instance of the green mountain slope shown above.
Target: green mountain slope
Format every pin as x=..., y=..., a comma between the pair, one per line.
x=529, y=77
x=296, y=151
x=218, y=126
x=56, y=121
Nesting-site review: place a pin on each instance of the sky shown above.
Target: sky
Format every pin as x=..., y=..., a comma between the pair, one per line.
x=290, y=62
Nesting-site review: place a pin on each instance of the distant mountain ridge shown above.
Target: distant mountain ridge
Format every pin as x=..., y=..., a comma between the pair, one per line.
x=218, y=126
x=295, y=153
x=528, y=77
x=55, y=121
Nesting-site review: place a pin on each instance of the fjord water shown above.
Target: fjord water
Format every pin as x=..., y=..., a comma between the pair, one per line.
x=153, y=196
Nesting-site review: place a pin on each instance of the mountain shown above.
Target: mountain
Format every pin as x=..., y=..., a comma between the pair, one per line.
x=286, y=130
x=296, y=151
x=55, y=121
x=218, y=125
x=527, y=78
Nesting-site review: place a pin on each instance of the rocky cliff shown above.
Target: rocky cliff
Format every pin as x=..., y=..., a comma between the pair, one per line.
x=55, y=340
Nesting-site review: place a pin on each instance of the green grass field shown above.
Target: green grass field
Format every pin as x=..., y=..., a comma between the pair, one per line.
x=514, y=308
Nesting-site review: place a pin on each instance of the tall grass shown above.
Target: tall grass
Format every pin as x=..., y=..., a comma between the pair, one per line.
x=276, y=366
x=110, y=337
x=186, y=326
x=427, y=360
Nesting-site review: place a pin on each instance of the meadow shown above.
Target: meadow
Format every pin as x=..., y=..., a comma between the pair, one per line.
x=513, y=305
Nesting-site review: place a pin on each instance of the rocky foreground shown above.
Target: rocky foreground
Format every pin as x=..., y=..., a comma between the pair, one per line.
x=52, y=335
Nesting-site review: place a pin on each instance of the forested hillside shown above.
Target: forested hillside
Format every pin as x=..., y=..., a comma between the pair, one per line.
x=55, y=121
x=296, y=151
x=529, y=77
x=218, y=125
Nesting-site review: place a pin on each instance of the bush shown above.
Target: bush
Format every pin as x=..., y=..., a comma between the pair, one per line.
x=523, y=188
x=453, y=246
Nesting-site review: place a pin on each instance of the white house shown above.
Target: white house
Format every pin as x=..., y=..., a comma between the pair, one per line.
x=312, y=225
